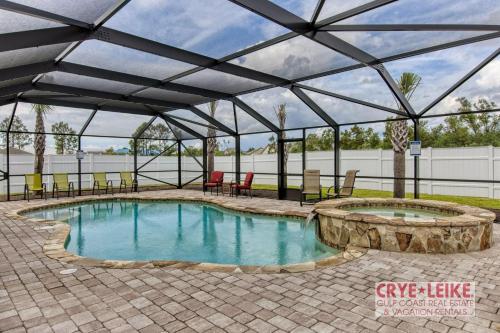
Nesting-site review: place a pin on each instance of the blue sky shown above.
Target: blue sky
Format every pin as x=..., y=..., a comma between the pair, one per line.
x=221, y=28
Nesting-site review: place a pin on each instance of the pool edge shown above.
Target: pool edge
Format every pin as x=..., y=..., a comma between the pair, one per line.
x=54, y=245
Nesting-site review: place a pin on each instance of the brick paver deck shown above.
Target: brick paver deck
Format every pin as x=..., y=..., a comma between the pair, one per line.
x=35, y=297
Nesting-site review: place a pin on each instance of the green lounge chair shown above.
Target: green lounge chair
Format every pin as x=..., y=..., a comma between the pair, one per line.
x=33, y=183
x=126, y=180
x=101, y=183
x=62, y=184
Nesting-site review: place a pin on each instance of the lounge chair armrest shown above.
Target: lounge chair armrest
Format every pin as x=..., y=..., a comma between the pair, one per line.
x=330, y=189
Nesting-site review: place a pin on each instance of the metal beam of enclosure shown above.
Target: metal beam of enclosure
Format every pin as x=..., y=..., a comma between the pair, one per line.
x=41, y=37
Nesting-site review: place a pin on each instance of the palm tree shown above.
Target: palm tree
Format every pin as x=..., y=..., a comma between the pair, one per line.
x=407, y=83
x=280, y=112
x=39, y=143
x=211, y=139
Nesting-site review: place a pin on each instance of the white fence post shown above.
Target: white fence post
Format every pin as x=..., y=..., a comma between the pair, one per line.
x=381, y=167
x=429, y=170
x=49, y=170
x=91, y=169
x=491, y=171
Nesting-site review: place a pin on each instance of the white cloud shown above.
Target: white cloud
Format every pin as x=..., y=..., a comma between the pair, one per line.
x=490, y=79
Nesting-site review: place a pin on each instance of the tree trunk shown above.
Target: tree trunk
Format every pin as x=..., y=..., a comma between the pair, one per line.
x=399, y=140
x=399, y=172
x=211, y=145
x=211, y=140
x=39, y=142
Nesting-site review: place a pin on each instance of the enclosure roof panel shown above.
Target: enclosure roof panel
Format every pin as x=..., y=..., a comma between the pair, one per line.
x=329, y=62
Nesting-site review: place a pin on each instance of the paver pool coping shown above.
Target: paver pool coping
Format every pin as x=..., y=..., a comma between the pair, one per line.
x=54, y=246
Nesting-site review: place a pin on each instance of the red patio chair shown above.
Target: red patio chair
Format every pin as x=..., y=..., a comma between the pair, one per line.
x=247, y=185
x=216, y=180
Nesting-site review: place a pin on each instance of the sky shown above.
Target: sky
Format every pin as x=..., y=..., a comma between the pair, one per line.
x=222, y=28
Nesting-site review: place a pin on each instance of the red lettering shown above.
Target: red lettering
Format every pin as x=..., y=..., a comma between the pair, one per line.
x=390, y=290
x=379, y=289
x=402, y=288
x=466, y=290
x=429, y=290
x=454, y=290
x=412, y=292
x=439, y=290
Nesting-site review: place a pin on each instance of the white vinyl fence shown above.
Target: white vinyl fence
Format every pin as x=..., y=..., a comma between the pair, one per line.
x=477, y=163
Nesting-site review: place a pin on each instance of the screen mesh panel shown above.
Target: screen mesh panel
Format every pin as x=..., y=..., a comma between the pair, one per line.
x=158, y=130
x=202, y=130
x=172, y=96
x=248, y=124
x=346, y=112
x=121, y=59
x=83, y=10
x=219, y=81
x=190, y=25
x=14, y=22
x=301, y=8
x=56, y=120
x=30, y=55
x=224, y=113
x=482, y=91
x=438, y=11
x=127, y=125
x=267, y=103
x=335, y=7
x=364, y=84
x=383, y=44
x=86, y=82
x=440, y=70
x=294, y=58
x=180, y=134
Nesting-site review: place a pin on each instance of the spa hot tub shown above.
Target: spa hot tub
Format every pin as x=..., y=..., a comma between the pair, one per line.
x=404, y=225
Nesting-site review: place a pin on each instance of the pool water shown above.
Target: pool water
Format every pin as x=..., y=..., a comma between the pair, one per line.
x=398, y=212
x=167, y=230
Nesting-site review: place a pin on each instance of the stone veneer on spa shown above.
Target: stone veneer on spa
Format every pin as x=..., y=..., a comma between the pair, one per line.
x=466, y=228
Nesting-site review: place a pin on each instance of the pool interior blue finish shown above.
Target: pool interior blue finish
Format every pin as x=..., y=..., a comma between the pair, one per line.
x=183, y=231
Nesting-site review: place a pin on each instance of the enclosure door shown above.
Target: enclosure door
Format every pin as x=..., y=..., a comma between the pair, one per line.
x=293, y=168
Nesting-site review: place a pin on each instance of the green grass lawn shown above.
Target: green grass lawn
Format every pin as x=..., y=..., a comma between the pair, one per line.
x=472, y=201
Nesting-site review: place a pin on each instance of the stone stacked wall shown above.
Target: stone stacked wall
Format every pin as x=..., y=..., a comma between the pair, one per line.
x=469, y=229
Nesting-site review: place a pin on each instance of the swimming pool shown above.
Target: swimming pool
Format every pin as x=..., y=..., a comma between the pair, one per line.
x=185, y=231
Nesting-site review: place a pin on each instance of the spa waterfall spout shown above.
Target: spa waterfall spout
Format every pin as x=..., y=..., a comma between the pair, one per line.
x=310, y=217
